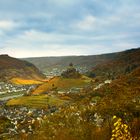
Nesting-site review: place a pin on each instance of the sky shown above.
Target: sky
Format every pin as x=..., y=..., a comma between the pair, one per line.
x=34, y=28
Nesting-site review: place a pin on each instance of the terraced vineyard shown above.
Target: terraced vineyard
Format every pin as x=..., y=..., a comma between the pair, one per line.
x=41, y=101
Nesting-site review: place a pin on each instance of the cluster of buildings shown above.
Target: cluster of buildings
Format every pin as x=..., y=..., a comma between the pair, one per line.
x=9, y=91
x=10, y=88
x=58, y=71
x=24, y=119
x=53, y=72
x=82, y=70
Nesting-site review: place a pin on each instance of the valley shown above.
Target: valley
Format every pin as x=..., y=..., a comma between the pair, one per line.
x=77, y=104
x=69, y=70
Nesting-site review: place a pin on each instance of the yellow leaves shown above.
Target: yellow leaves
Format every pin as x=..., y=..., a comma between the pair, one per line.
x=115, y=124
x=113, y=131
x=117, y=128
x=120, y=131
x=125, y=130
x=119, y=120
x=125, y=126
x=114, y=117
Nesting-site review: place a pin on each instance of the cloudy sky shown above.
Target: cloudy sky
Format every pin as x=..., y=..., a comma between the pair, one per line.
x=31, y=28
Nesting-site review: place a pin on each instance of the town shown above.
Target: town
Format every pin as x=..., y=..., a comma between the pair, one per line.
x=10, y=88
x=57, y=71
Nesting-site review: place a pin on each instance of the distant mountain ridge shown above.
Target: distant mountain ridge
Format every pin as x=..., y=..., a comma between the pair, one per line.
x=11, y=67
x=99, y=64
x=89, y=61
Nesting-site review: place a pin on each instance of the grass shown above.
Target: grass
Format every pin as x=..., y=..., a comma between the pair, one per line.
x=40, y=101
x=62, y=84
x=20, y=81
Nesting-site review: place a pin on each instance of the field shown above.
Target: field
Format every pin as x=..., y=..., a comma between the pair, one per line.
x=7, y=96
x=36, y=101
x=62, y=84
x=19, y=81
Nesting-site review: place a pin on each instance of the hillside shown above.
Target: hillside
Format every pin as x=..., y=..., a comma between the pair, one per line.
x=124, y=63
x=109, y=113
x=13, y=68
x=61, y=83
x=121, y=95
